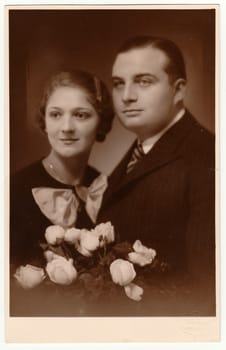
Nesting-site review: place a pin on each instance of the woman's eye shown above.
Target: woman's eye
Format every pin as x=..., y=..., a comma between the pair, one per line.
x=117, y=83
x=81, y=115
x=55, y=114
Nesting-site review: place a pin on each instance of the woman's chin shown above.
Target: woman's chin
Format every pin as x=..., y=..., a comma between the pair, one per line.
x=70, y=154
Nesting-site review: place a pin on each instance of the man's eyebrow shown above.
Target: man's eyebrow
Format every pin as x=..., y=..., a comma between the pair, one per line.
x=141, y=75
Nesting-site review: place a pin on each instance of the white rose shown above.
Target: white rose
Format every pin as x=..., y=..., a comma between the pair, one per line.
x=72, y=235
x=61, y=270
x=134, y=292
x=88, y=243
x=105, y=233
x=29, y=276
x=54, y=234
x=49, y=255
x=141, y=255
x=122, y=272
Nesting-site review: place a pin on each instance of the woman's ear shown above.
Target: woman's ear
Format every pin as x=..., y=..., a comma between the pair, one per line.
x=180, y=89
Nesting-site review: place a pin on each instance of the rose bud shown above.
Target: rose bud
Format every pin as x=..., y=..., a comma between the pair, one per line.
x=88, y=243
x=122, y=272
x=134, y=292
x=141, y=255
x=29, y=276
x=72, y=235
x=61, y=271
x=54, y=234
x=105, y=233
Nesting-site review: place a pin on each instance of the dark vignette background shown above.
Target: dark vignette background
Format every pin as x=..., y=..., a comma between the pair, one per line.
x=43, y=41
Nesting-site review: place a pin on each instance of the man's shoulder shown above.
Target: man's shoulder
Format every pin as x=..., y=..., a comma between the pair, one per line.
x=201, y=131
x=199, y=143
x=198, y=126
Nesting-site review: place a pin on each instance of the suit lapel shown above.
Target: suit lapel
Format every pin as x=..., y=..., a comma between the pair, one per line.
x=163, y=152
x=118, y=174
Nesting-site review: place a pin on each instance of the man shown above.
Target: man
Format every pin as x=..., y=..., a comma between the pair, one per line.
x=166, y=198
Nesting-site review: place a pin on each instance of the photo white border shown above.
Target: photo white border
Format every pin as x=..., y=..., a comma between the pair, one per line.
x=188, y=329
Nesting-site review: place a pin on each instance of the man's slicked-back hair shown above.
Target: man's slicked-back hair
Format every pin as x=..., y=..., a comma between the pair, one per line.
x=176, y=65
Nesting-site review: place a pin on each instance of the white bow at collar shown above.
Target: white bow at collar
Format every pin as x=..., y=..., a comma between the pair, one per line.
x=60, y=206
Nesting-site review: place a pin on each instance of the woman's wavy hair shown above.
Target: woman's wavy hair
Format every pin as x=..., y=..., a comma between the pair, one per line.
x=98, y=95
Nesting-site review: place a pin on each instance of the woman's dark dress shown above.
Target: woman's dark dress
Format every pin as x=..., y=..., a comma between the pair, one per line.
x=27, y=229
x=27, y=222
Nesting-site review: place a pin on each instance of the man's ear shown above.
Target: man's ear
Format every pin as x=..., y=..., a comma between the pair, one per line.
x=180, y=89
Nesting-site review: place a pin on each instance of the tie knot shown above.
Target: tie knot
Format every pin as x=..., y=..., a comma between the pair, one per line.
x=138, y=150
x=137, y=154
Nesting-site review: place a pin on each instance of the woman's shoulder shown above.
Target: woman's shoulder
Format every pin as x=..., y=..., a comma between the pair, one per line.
x=35, y=175
x=27, y=175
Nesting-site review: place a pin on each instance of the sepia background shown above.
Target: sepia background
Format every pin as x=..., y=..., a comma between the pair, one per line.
x=44, y=41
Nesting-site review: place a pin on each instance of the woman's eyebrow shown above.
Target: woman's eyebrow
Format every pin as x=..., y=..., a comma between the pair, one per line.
x=116, y=78
x=54, y=107
x=81, y=109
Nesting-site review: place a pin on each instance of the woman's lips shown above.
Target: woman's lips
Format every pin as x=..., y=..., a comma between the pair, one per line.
x=68, y=141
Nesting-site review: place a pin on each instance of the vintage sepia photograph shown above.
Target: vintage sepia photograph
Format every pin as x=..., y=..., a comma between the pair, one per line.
x=113, y=136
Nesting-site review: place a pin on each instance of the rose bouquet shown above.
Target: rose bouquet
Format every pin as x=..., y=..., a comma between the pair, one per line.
x=89, y=260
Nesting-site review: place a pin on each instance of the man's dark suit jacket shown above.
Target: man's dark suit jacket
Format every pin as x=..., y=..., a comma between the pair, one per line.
x=168, y=202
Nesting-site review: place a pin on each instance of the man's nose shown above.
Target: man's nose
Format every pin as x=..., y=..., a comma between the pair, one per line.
x=129, y=93
x=67, y=124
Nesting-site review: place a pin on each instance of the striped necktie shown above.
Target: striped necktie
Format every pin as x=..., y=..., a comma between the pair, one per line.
x=137, y=154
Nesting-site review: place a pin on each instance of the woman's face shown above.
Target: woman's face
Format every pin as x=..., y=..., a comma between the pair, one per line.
x=71, y=122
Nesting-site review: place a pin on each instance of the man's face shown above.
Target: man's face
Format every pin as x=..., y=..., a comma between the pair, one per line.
x=144, y=99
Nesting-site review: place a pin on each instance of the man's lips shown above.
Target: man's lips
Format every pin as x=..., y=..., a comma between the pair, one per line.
x=132, y=111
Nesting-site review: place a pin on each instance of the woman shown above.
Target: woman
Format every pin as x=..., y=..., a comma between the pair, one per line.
x=75, y=111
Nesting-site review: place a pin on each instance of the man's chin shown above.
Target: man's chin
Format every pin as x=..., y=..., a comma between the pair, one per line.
x=133, y=126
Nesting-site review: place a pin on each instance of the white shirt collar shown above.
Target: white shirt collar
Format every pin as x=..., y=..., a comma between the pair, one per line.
x=149, y=143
